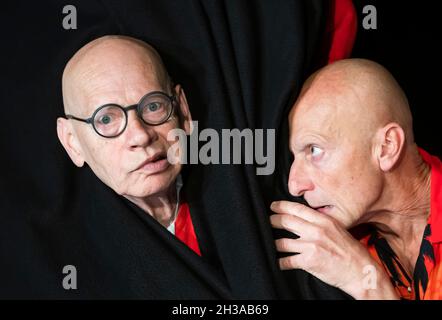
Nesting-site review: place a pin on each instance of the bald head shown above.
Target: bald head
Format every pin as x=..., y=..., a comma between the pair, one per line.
x=352, y=141
x=110, y=64
x=123, y=148
x=363, y=92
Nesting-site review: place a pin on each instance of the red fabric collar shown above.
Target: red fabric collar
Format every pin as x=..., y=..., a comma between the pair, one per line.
x=435, y=219
x=184, y=229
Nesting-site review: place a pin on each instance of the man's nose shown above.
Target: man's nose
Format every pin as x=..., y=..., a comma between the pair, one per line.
x=138, y=133
x=299, y=180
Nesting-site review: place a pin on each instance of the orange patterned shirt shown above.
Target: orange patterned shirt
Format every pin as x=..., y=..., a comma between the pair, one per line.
x=426, y=282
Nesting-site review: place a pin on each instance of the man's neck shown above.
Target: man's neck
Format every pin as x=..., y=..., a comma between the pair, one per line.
x=161, y=206
x=403, y=214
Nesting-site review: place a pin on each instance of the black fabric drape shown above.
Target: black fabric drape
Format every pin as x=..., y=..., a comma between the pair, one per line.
x=241, y=64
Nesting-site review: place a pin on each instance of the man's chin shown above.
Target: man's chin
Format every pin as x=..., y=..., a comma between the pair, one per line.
x=154, y=184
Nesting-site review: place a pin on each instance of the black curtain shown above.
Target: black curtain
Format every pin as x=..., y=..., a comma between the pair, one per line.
x=241, y=64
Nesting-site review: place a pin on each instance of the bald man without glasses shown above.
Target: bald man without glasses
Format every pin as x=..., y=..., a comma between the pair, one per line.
x=120, y=106
x=356, y=164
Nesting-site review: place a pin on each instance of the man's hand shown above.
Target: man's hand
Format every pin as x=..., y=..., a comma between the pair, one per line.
x=327, y=251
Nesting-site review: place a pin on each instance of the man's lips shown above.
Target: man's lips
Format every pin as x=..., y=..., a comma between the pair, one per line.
x=323, y=209
x=157, y=163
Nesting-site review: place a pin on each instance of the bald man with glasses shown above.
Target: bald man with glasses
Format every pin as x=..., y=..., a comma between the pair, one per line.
x=120, y=105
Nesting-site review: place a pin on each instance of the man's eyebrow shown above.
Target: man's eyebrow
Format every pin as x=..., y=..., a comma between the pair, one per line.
x=309, y=139
x=300, y=147
x=297, y=149
x=299, y=144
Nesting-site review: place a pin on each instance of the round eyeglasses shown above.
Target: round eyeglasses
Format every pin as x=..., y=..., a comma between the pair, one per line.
x=110, y=120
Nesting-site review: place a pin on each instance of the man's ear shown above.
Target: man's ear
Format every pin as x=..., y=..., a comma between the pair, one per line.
x=186, y=117
x=69, y=141
x=391, y=141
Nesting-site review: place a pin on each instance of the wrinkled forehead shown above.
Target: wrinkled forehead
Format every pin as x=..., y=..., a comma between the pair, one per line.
x=330, y=110
x=121, y=82
x=314, y=118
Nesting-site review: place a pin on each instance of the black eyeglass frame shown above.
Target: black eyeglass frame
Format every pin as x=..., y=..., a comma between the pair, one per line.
x=137, y=106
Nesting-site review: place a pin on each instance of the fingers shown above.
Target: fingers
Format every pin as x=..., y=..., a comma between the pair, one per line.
x=292, y=262
x=290, y=223
x=299, y=210
x=294, y=246
x=290, y=245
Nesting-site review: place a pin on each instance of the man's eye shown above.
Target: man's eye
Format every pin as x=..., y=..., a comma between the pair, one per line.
x=106, y=119
x=315, y=151
x=154, y=106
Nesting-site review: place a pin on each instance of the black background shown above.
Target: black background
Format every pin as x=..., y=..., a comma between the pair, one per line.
x=407, y=43
x=233, y=61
